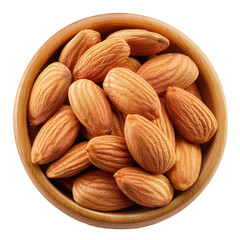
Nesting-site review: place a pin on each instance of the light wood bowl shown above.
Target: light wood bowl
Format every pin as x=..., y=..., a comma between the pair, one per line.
x=211, y=92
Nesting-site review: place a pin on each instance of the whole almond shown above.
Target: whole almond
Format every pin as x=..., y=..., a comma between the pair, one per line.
x=170, y=69
x=193, y=89
x=72, y=162
x=186, y=169
x=109, y=153
x=48, y=93
x=118, y=121
x=142, y=42
x=56, y=136
x=164, y=123
x=130, y=94
x=77, y=46
x=96, y=62
x=98, y=190
x=148, y=145
x=144, y=188
x=91, y=106
x=190, y=116
x=132, y=64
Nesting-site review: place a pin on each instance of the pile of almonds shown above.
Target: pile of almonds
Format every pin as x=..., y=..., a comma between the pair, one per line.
x=139, y=110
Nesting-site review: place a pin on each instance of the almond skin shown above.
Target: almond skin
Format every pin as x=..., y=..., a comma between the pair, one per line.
x=170, y=69
x=130, y=94
x=65, y=183
x=190, y=116
x=72, y=162
x=96, y=62
x=144, y=188
x=91, y=106
x=142, y=42
x=56, y=136
x=48, y=93
x=118, y=121
x=148, y=145
x=109, y=153
x=133, y=64
x=193, y=89
x=77, y=46
x=98, y=190
x=187, y=167
x=164, y=123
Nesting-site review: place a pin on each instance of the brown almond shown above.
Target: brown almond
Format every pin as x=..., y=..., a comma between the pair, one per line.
x=187, y=167
x=56, y=136
x=109, y=153
x=77, y=46
x=190, y=116
x=91, y=106
x=96, y=62
x=133, y=64
x=144, y=188
x=148, y=145
x=193, y=89
x=98, y=190
x=142, y=42
x=164, y=123
x=130, y=94
x=118, y=121
x=48, y=93
x=170, y=69
x=72, y=162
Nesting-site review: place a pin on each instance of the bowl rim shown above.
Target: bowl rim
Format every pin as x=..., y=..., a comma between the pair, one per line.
x=52, y=194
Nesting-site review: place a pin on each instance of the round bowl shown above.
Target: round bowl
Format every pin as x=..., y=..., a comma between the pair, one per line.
x=210, y=89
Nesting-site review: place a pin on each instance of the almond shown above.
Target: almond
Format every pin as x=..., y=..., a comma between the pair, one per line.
x=186, y=169
x=65, y=183
x=193, y=89
x=77, y=46
x=142, y=42
x=130, y=94
x=109, y=153
x=48, y=93
x=91, y=106
x=96, y=62
x=118, y=121
x=164, y=123
x=56, y=136
x=132, y=64
x=148, y=145
x=144, y=188
x=170, y=69
x=98, y=190
x=72, y=162
x=190, y=116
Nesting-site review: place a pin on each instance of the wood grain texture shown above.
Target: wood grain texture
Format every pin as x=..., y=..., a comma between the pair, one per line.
x=209, y=87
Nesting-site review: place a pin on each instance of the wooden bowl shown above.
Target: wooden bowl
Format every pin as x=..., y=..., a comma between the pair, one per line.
x=211, y=92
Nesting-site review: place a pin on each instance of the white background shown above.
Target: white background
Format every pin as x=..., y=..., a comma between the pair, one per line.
x=26, y=25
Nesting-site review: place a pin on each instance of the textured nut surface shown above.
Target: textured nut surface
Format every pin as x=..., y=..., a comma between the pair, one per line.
x=133, y=64
x=72, y=162
x=187, y=167
x=191, y=117
x=96, y=62
x=144, y=188
x=77, y=46
x=164, y=123
x=118, y=121
x=142, y=42
x=109, y=153
x=48, y=93
x=148, y=145
x=193, y=89
x=91, y=107
x=98, y=190
x=170, y=69
x=56, y=136
x=130, y=94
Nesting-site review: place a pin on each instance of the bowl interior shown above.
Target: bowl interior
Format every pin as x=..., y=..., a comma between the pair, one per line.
x=211, y=91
